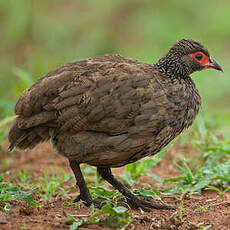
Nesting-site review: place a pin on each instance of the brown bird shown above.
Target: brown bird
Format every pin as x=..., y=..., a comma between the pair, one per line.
x=109, y=111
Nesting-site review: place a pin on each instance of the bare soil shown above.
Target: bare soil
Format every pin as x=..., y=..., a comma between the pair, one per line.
x=50, y=214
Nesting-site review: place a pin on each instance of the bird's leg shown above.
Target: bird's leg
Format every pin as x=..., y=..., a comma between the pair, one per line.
x=135, y=201
x=84, y=191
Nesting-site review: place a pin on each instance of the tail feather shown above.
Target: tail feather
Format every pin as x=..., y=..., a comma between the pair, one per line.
x=26, y=138
x=16, y=142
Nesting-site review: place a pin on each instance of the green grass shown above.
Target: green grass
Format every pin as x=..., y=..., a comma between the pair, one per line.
x=47, y=186
x=140, y=168
x=10, y=192
x=112, y=217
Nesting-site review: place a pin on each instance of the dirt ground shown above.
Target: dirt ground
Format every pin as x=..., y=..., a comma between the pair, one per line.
x=50, y=215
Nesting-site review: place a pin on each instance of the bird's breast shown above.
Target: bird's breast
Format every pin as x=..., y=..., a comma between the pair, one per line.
x=178, y=110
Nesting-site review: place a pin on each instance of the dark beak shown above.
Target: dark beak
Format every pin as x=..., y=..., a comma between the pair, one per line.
x=213, y=64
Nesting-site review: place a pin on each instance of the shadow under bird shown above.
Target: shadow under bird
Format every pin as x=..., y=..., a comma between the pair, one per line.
x=109, y=111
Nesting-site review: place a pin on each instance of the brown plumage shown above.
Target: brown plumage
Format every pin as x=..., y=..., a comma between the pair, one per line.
x=109, y=111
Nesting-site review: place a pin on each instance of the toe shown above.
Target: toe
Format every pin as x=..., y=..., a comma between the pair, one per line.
x=156, y=206
x=148, y=206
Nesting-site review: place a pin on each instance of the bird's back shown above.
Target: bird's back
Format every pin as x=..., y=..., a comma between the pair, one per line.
x=51, y=103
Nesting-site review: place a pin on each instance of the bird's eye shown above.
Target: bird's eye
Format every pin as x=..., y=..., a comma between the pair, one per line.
x=199, y=57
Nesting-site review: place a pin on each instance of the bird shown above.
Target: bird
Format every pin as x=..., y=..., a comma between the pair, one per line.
x=110, y=110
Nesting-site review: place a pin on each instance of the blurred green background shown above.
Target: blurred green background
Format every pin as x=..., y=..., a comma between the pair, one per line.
x=38, y=36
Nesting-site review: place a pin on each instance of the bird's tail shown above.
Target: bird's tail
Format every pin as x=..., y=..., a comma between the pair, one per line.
x=27, y=138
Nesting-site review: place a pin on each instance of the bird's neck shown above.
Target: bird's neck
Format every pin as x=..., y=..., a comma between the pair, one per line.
x=172, y=67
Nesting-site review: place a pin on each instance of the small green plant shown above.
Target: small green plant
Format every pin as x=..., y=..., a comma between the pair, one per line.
x=212, y=168
x=203, y=208
x=139, y=168
x=221, y=192
x=74, y=222
x=25, y=180
x=106, y=195
x=108, y=216
x=49, y=186
x=147, y=192
x=115, y=216
x=181, y=199
x=10, y=192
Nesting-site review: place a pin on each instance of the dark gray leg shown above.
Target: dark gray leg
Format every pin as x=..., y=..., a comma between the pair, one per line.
x=84, y=191
x=135, y=201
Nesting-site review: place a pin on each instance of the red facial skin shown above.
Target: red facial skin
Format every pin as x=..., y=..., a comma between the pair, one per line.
x=204, y=61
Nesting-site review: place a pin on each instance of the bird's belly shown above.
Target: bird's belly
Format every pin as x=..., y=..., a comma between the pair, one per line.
x=100, y=149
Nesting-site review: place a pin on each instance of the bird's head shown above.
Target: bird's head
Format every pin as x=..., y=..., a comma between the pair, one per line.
x=186, y=57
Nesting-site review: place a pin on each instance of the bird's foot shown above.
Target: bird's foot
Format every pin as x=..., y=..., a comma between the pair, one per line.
x=84, y=191
x=147, y=205
x=135, y=201
x=87, y=201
